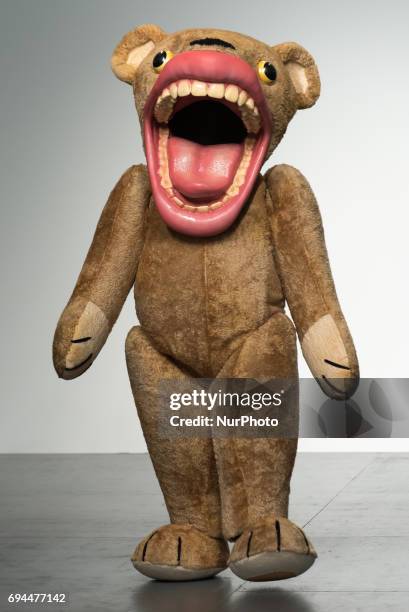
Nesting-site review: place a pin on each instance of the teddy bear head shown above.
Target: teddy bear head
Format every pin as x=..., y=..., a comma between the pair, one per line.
x=213, y=105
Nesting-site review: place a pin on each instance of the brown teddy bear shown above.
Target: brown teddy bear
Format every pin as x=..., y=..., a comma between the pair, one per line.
x=214, y=250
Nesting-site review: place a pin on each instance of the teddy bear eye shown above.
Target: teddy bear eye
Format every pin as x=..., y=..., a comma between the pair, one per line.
x=161, y=59
x=267, y=72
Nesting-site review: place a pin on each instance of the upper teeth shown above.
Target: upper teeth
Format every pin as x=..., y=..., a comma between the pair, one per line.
x=232, y=93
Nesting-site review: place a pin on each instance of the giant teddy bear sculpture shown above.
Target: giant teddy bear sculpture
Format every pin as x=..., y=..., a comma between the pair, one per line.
x=214, y=251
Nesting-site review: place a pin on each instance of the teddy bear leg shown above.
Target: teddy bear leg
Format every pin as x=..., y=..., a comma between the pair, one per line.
x=254, y=473
x=192, y=546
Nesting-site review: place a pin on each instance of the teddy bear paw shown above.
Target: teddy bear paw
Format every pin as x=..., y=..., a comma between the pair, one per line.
x=275, y=549
x=180, y=552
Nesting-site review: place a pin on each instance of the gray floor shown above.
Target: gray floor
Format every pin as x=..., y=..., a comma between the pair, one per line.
x=68, y=523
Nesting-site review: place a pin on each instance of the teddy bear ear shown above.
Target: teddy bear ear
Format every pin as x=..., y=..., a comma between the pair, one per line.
x=133, y=48
x=303, y=72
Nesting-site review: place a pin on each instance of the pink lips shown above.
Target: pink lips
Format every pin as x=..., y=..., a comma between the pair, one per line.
x=197, y=173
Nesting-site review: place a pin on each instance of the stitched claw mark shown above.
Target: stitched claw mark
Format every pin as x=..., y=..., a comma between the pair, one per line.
x=179, y=549
x=249, y=543
x=278, y=532
x=79, y=340
x=336, y=365
x=79, y=365
x=145, y=546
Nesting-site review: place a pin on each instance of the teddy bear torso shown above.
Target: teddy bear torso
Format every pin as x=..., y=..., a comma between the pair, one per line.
x=197, y=298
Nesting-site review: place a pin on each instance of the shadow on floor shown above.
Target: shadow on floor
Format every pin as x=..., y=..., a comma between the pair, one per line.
x=267, y=600
x=216, y=594
x=200, y=596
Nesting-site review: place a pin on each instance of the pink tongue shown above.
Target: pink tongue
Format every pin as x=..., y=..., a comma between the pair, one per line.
x=202, y=171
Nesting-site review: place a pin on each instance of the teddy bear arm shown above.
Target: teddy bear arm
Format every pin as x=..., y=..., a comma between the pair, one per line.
x=302, y=261
x=106, y=277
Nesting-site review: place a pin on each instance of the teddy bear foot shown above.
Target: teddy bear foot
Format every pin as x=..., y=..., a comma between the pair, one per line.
x=180, y=552
x=274, y=550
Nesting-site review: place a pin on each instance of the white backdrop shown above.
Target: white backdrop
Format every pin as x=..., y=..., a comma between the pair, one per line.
x=68, y=132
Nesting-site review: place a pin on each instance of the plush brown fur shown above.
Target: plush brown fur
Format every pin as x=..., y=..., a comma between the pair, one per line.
x=107, y=274
x=213, y=307
x=185, y=466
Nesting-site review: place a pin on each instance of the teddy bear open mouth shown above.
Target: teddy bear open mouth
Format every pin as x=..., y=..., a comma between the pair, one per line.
x=206, y=134
x=207, y=128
